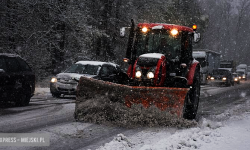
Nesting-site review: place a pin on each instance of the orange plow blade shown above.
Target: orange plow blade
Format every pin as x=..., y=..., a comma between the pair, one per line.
x=164, y=98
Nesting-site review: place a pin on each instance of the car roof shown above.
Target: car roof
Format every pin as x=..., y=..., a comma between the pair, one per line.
x=240, y=70
x=97, y=63
x=9, y=55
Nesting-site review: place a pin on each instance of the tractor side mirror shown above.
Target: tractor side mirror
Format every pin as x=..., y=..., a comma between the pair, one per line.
x=123, y=31
x=197, y=37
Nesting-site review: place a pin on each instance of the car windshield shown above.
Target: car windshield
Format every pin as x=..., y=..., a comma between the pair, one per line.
x=220, y=72
x=241, y=72
x=157, y=41
x=225, y=65
x=83, y=69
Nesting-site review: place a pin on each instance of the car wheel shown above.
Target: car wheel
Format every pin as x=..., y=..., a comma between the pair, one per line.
x=23, y=100
x=56, y=95
x=192, y=99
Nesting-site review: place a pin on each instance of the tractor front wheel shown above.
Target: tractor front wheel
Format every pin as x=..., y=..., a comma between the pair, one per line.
x=192, y=99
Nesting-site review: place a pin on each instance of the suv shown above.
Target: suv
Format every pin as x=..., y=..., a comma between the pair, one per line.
x=17, y=81
x=67, y=81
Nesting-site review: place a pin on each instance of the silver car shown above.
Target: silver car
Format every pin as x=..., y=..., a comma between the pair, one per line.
x=66, y=82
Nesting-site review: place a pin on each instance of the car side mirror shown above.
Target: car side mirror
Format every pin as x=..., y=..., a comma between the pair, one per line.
x=2, y=71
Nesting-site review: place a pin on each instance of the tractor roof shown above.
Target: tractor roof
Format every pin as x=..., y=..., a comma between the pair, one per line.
x=165, y=26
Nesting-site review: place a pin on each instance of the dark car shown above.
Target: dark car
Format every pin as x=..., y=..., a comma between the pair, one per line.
x=66, y=82
x=221, y=76
x=17, y=80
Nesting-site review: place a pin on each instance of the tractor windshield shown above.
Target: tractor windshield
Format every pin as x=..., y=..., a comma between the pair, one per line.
x=158, y=41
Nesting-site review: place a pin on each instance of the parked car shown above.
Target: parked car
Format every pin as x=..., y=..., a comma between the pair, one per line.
x=221, y=76
x=17, y=80
x=66, y=82
x=236, y=77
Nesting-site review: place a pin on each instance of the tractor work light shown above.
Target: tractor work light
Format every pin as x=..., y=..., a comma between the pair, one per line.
x=125, y=60
x=144, y=29
x=194, y=27
x=174, y=32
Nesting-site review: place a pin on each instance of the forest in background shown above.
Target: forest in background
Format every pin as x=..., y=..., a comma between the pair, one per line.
x=53, y=34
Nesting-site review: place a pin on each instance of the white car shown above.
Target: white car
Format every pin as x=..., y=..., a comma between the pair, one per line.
x=242, y=73
x=67, y=81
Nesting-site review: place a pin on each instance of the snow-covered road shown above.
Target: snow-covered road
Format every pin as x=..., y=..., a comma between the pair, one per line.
x=222, y=125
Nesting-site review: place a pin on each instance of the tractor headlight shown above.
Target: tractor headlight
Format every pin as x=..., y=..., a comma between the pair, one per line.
x=224, y=78
x=53, y=80
x=138, y=74
x=150, y=75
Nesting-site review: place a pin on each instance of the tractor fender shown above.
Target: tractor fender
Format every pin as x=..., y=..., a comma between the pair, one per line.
x=191, y=72
x=161, y=64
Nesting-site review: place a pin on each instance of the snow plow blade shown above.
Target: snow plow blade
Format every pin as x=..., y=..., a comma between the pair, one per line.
x=164, y=98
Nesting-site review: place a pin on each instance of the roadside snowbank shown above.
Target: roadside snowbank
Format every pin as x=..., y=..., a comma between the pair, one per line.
x=42, y=91
x=230, y=134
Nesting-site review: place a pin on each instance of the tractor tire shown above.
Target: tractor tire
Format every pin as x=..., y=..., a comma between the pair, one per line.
x=192, y=99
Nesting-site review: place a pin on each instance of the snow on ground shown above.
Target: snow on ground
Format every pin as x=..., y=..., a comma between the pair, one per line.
x=42, y=91
x=232, y=134
x=227, y=131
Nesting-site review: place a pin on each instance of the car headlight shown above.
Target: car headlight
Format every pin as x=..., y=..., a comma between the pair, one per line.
x=235, y=79
x=212, y=78
x=138, y=74
x=53, y=80
x=150, y=75
x=244, y=76
x=224, y=78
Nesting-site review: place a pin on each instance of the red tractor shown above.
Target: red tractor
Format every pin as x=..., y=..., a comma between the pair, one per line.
x=162, y=71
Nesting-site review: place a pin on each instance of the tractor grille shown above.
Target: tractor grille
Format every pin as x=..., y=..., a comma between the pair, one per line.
x=144, y=72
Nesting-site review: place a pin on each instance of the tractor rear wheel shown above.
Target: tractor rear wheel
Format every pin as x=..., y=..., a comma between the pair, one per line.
x=193, y=97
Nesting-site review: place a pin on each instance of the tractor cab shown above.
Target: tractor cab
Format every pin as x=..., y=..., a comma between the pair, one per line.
x=159, y=54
